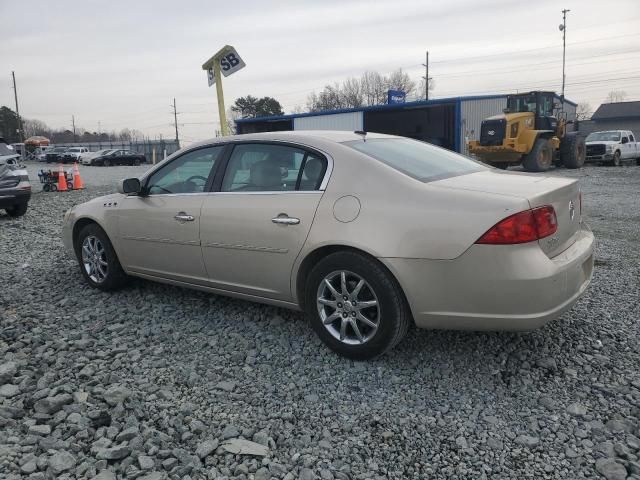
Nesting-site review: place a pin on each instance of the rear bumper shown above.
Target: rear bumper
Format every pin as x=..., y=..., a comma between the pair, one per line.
x=10, y=198
x=501, y=287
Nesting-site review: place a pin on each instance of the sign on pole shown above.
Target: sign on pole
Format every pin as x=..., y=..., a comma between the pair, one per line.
x=396, y=96
x=225, y=61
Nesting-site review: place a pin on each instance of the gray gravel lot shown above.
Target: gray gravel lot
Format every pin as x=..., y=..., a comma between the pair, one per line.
x=158, y=382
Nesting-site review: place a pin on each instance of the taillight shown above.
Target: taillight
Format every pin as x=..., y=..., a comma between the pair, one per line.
x=546, y=221
x=522, y=227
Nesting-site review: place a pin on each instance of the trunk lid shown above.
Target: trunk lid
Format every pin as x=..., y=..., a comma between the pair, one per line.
x=562, y=194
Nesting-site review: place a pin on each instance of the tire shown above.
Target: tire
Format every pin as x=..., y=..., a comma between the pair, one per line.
x=106, y=163
x=69, y=185
x=390, y=315
x=136, y=162
x=500, y=165
x=110, y=275
x=54, y=187
x=46, y=187
x=17, y=210
x=616, y=162
x=540, y=157
x=573, y=150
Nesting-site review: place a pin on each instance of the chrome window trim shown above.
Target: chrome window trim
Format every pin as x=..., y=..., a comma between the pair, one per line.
x=274, y=192
x=323, y=184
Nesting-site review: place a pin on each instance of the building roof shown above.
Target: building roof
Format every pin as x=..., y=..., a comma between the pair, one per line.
x=392, y=106
x=618, y=110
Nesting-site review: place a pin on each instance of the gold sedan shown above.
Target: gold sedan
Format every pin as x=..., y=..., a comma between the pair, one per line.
x=366, y=233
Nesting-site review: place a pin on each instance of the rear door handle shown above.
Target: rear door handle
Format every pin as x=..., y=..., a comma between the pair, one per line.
x=284, y=219
x=183, y=217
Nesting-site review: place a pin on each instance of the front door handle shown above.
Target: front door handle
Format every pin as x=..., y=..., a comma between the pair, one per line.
x=183, y=217
x=284, y=219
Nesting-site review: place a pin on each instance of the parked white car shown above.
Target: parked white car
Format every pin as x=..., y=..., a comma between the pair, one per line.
x=73, y=154
x=86, y=158
x=612, y=147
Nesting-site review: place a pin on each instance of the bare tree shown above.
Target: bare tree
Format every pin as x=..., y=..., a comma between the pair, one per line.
x=373, y=87
x=583, y=111
x=400, y=80
x=35, y=127
x=420, y=91
x=352, y=96
x=616, y=96
x=330, y=98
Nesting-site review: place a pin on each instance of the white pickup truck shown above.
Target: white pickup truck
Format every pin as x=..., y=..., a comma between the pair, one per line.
x=613, y=147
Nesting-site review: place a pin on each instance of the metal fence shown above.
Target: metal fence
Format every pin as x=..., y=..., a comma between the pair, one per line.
x=146, y=147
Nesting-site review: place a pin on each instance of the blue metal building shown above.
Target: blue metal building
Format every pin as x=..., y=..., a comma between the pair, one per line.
x=448, y=122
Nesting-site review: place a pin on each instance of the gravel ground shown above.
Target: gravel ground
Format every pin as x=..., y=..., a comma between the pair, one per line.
x=158, y=382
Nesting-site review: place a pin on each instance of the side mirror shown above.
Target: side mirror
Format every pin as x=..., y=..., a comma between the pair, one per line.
x=625, y=140
x=130, y=186
x=506, y=110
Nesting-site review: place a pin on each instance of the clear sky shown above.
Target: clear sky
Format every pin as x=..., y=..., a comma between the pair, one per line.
x=121, y=63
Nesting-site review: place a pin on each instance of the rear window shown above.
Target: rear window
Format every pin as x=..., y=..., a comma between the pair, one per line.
x=416, y=159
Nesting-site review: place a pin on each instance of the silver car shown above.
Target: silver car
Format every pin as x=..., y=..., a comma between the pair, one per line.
x=366, y=233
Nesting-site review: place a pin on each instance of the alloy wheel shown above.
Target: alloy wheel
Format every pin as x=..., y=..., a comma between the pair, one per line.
x=348, y=307
x=94, y=259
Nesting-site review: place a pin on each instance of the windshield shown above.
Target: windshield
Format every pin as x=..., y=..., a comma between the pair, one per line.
x=604, y=137
x=416, y=159
x=522, y=103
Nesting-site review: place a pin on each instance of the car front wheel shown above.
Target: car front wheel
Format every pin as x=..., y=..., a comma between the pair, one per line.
x=355, y=306
x=98, y=260
x=17, y=210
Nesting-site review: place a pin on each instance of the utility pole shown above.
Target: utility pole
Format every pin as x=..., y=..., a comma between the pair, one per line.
x=563, y=29
x=426, y=77
x=15, y=93
x=73, y=123
x=175, y=120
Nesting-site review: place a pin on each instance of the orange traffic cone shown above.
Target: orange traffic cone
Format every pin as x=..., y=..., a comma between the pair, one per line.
x=62, y=180
x=77, y=181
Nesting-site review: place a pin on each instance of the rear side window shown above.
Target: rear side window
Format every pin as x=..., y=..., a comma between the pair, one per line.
x=272, y=168
x=416, y=159
x=631, y=138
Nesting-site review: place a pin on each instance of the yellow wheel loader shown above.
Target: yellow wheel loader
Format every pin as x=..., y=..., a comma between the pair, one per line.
x=528, y=132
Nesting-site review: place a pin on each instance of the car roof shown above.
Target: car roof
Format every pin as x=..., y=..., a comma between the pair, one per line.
x=297, y=136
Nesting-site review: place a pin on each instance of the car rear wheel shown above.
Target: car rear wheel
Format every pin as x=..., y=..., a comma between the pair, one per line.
x=98, y=260
x=136, y=162
x=540, y=158
x=17, y=210
x=355, y=306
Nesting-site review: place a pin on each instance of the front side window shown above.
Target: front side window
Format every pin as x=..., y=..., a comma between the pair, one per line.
x=416, y=159
x=188, y=173
x=272, y=168
x=631, y=138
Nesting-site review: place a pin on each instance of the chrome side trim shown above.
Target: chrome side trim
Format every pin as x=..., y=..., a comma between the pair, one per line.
x=194, y=243
x=218, y=291
x=253, y=248
x=284, y=192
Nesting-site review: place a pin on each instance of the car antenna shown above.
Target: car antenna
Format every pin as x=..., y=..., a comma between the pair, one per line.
x=362, y=133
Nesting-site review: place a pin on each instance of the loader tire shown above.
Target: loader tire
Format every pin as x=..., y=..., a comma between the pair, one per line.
x=540, y=158
x=573, y=150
